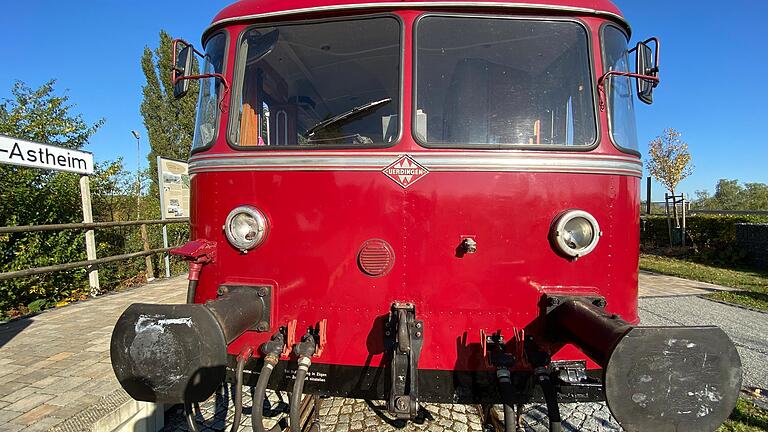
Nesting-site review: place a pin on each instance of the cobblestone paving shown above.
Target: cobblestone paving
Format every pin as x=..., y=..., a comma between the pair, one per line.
x=354, y=415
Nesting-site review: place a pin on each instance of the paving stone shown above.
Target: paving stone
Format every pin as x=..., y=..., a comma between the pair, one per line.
x=35, y=414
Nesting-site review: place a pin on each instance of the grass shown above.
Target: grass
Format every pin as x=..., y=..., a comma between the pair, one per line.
x=752, y=285
x=746, y=417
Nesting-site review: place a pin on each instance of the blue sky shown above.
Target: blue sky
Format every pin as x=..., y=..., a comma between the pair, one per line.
x=712, y=90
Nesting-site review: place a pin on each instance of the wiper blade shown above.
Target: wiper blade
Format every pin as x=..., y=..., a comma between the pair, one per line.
x=347, y=115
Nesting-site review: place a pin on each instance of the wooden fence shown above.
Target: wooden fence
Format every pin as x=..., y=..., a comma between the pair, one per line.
x=91, y=264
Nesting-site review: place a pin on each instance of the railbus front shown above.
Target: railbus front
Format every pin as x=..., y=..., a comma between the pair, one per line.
x=421, y=201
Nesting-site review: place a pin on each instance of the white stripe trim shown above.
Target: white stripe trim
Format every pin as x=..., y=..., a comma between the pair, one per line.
x=416, y=5
x=433, y=161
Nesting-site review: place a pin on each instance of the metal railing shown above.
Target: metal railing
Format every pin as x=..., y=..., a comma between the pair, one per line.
x=92, y=264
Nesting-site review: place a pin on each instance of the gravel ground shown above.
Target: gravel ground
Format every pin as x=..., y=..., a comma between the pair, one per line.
x=746, y=328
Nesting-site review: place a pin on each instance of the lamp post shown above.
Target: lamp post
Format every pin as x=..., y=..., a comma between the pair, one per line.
x=138, y=173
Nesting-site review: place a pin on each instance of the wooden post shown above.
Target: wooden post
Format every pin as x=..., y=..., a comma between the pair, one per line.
x=682, y=199
x=648, y=196
x=90, y=237
x=148, y=258
x=669, y=222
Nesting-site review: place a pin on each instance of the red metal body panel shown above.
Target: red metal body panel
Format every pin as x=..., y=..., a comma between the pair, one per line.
x=320, y=218
x=256, y=7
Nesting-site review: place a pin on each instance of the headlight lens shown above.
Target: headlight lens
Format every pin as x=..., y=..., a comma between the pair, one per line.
x=576, y=233
x=246, y=227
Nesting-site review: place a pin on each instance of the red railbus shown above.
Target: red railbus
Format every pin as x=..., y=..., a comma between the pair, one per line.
x=421, y=201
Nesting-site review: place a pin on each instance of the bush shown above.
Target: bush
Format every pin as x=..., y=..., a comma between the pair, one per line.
x=712, y=238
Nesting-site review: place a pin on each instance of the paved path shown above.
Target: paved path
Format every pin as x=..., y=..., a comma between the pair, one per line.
x=54, y=367
x=656, y=285
x=55, y=371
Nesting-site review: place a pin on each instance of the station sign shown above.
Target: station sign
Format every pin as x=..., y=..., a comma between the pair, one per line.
x=20, y=152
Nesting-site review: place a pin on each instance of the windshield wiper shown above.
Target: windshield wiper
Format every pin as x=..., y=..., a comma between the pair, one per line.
x=345, y=116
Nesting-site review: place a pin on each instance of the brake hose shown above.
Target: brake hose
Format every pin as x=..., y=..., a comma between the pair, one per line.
x=304, y=350
x=272, y=350
x=550, y=397
x=244, y=356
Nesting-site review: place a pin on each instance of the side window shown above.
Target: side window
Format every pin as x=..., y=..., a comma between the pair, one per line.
x=210, y=88
x=621, y=107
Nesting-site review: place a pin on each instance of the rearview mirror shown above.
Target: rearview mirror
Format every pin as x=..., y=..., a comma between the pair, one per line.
x=182, y=68
x=646, y=64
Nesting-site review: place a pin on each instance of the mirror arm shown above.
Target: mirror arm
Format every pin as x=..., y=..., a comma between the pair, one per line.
x=604, y=78
x=175, y=78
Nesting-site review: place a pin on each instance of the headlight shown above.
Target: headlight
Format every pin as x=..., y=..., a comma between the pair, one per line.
x=246, y=227
x=575, y=233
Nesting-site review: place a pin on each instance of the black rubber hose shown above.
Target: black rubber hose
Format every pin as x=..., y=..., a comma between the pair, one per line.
x=505, y=388
x=257, y=411
x=189, y=413
x=550, y=397
x=191, y=289
x=238, y=392
x=510, y=418
x=298, y=391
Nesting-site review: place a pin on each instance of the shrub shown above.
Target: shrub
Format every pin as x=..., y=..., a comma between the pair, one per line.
x=712, y=238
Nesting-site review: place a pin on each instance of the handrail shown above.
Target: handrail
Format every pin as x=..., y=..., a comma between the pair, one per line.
x=78, y=264
x=87, y=226
x=94, y=263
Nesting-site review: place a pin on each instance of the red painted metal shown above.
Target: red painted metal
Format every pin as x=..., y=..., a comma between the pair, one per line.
x=320, y=218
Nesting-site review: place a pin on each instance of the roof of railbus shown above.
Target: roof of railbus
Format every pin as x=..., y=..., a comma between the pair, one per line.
x=259, y=9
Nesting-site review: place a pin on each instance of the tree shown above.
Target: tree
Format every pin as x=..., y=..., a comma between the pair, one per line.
x=730, y=195
x=170, y=123
x=34, y=196
x=670, y=161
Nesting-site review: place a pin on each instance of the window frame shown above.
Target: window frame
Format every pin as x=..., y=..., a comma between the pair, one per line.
x=239, y=75
x=219, y=84
x=608, y=110
x=545, y=147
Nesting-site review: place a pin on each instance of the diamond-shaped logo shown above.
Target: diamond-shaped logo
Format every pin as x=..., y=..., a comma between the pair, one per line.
x=405, y=171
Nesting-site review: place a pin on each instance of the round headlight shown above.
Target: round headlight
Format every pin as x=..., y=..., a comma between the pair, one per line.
x=246, y=227
x=576, y=233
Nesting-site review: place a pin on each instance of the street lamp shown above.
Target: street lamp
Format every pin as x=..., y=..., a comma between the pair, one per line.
x=138, y=173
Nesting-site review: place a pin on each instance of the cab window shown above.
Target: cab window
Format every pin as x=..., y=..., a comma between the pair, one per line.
x=496, y=83
x=319, y=85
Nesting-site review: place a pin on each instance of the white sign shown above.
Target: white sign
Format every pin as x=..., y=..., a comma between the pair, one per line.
x=30, y=154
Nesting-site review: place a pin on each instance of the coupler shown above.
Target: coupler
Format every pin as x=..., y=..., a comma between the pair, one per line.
x=178, y=353
x=655, y=378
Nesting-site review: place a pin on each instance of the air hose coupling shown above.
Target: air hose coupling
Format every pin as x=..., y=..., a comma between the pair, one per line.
x=306, y=347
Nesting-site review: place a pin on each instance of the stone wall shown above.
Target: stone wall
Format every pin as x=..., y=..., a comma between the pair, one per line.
x=753, y=239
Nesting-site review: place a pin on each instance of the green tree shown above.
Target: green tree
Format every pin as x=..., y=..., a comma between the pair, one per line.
x=34, y=196
x=670, y=161
x=170, y=123
x=730, y=195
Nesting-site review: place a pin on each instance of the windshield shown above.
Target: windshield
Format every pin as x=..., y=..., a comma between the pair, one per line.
x=621, y=103
x=325, y=84
x=495, y=83
x=208, y=101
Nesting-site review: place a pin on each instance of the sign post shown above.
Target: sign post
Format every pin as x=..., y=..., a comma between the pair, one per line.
x=173, y=181
x=35, y=155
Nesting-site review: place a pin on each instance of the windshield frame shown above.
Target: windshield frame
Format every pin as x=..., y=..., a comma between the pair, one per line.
x=504, y=147
x=219, y=88
x=608, y=84
x=238, y=78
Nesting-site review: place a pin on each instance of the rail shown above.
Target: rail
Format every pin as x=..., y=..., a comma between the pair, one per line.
x=92, y=264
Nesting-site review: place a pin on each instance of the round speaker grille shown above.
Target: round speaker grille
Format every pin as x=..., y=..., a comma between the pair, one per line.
x=376, y=257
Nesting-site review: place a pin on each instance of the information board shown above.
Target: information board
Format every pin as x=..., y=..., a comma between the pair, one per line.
x=173, y=178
